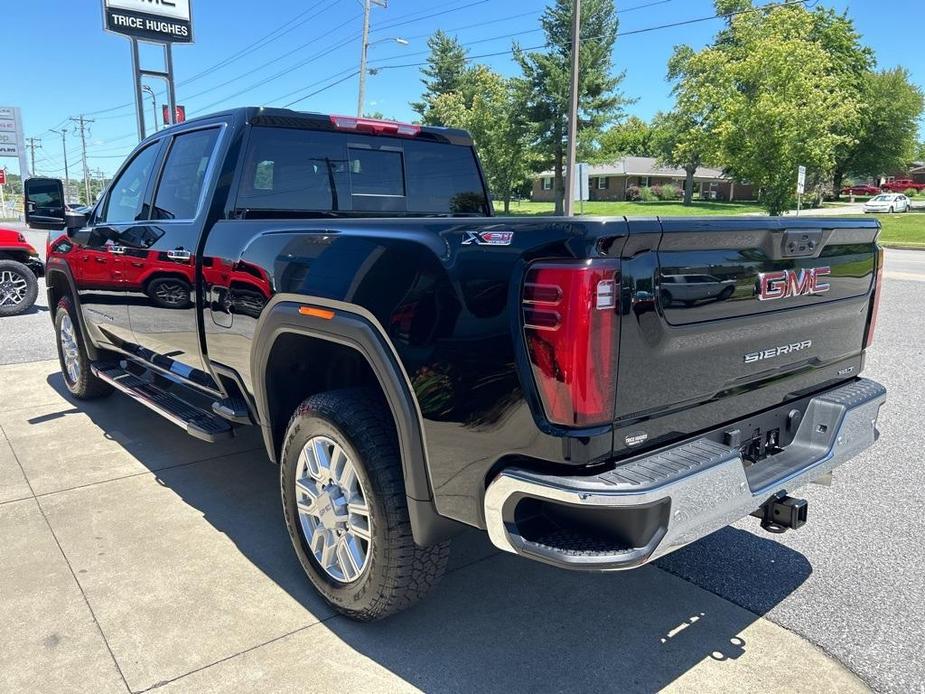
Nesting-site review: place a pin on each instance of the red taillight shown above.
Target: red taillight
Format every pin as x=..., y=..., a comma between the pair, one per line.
x=875, y=305
x=377, y=127
x=571, y=324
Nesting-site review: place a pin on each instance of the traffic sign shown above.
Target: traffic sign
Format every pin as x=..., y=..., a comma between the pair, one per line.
x=801, y=180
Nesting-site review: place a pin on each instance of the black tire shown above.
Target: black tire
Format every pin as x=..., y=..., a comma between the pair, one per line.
x=726, y=293
x=398, y=572
x=170, y=292
x=891, y=209
x=15, y=272
x=85, y=386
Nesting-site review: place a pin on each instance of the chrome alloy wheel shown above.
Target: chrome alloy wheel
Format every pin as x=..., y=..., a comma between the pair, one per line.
x=172, y=293
x=69, y=349
x=333, y=509
x=13, y=288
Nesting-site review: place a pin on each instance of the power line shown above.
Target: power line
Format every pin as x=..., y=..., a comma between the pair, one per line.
x=634, y=32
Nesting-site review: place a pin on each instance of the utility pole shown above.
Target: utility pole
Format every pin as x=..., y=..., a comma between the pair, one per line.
x=573, y=112
x=33, y=143
x=63, y=134
x=83, y=125
x=364, y=49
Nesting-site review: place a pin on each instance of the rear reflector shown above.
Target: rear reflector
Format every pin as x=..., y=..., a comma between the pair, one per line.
x=875, y=301
x=376, y=127
x=571, y=326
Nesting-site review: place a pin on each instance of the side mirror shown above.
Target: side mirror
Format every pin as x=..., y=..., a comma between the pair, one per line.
x=75, y=221
x=45, y=204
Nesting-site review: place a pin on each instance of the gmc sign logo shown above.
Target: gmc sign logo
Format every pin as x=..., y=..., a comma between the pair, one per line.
x=784, y=283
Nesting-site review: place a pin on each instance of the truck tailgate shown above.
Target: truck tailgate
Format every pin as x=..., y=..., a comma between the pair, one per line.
x=733, y=316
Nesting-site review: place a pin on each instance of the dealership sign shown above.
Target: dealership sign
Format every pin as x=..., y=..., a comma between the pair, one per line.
x=160, y=21
x=11, y=140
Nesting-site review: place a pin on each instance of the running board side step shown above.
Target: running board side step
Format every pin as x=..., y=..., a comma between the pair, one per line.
x=203, y=425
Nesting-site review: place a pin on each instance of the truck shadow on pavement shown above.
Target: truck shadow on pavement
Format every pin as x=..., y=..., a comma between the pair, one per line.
x=496, y=622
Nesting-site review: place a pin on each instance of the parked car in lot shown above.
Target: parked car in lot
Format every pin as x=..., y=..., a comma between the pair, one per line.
x=20, y=265
x=888, y=202
x=861, y=189
x=901, y=185
x=418, y=365
x=689, y=289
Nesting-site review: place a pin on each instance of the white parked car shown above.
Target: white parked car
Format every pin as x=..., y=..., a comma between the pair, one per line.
x=888, y=202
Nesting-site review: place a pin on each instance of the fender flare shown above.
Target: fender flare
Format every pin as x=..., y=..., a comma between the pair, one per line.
x=354, y=327
x=56, y=266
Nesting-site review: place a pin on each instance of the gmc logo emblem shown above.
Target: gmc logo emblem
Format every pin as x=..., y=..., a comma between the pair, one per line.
x=784, y=283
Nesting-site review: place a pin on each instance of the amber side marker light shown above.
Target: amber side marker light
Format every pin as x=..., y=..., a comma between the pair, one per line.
x=316, y=312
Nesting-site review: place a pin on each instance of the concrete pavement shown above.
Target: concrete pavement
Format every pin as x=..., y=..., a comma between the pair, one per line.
x=137, y=557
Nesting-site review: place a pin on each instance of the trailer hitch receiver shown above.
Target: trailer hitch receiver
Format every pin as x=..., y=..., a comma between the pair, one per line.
x=781, y=513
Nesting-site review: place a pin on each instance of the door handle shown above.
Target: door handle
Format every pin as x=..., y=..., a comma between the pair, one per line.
x=179, y=255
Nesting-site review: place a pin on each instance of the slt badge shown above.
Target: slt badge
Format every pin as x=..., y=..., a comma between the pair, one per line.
x=488, y=238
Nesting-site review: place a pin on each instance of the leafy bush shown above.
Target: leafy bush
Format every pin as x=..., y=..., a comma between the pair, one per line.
x=632, y=193
x=646, y=194
x=910, y=192
x=668, y=191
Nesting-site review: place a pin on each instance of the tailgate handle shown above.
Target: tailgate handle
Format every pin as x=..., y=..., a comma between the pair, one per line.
x=801, y=242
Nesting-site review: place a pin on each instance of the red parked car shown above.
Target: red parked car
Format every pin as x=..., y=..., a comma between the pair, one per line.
x=20, y=265
x=901, y=185
x=860, y=189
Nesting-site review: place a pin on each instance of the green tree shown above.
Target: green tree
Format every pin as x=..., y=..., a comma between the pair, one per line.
x=631, y=137
x=680, y=140
x=488, y=106
x=886, y=141
x=546, y=82
x=920, y=151
x=444, y=73
x=771, y=97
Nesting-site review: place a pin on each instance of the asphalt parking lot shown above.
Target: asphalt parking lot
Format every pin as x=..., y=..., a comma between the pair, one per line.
x=135, y=557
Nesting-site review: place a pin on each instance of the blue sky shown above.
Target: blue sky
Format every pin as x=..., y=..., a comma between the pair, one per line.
x=59, y=61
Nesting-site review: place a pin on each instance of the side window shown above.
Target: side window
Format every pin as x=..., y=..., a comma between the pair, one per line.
x=127, y=192
x=180, y=187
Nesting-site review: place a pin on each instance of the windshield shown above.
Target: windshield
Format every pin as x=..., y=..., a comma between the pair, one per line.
x=318, y=173
x=882, y=198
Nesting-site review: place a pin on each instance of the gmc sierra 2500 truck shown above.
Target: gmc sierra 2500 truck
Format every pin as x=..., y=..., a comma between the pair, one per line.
x=418, y=365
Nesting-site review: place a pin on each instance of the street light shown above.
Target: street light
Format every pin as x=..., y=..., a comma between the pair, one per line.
x=147, y=90
x=361, y=101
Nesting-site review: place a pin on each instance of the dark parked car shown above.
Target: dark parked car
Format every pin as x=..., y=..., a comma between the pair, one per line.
x=418, y=365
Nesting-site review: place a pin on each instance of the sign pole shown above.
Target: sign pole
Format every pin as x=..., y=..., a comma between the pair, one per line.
x=136, y=81
x=171, y=91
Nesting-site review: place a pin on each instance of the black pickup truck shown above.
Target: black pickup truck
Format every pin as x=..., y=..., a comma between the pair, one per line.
x=592, y=392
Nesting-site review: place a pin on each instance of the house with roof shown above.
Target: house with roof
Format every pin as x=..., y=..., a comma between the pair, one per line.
x=610, y=181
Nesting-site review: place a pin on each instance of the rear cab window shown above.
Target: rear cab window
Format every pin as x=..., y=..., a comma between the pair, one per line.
x=319, y=173
x=180, y=187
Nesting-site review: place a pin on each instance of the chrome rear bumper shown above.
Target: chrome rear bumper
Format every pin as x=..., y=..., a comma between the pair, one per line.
x=660, y=502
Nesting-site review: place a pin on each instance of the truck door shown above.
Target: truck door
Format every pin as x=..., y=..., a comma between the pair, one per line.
x=164, y=301
x=97, y=258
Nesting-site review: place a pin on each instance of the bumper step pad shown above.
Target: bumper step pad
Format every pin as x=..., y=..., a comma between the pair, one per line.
x=197, y=422
x=661, y=501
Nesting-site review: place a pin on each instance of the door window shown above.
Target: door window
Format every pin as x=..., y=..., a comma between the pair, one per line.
x=184, y=174
x=127, y=193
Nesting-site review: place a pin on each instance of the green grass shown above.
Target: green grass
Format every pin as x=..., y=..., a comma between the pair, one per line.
x=639, y=209
x=903, y=229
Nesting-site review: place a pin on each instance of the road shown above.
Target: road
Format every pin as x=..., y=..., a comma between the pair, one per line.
x=853, y=580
